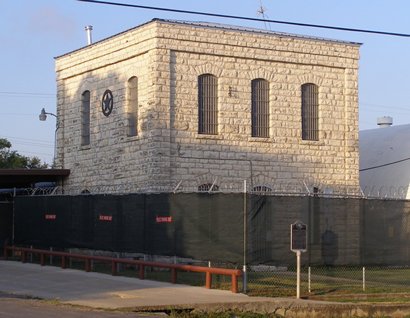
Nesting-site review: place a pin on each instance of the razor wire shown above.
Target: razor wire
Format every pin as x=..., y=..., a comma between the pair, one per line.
x=216, y=184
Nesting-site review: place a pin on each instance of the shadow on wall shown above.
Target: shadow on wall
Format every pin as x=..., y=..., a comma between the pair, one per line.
x=330, y=247
x=103, y=142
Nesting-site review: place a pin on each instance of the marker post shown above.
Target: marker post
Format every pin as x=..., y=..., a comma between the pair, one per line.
x=298, y=244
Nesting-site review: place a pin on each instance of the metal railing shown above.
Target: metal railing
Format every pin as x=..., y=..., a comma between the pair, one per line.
x=174, y=268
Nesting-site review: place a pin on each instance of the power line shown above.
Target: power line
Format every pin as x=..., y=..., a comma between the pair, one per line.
x=17, y=114
x=43, y=141
x=26, y=94
x=24, y=152
x=385, y=106
x=22, y=143
x=248, y=18
x=385, y=165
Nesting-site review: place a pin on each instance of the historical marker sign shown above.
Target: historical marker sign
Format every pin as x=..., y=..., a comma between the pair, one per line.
x=298, y=237
x=298, y=244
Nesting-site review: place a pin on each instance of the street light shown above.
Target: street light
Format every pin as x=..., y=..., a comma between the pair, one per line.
x=43, y=117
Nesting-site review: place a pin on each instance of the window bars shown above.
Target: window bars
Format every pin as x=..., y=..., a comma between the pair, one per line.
x=85, y=118
x=310, y=112
x=260, y=108
x=132, y=106
x=207, y=104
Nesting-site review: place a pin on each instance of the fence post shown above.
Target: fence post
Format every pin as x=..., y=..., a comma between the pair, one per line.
x=245, y=229
x=141, y=271
x=309, y=280
x=364, y=278
x=119, y=265
x=70, y=260
x=5, y=250
x=5, y=245
x=92, y=261
x=113, y=267
x=87, y=265
x=173, y=275
x=234, y=283
x=208, y=280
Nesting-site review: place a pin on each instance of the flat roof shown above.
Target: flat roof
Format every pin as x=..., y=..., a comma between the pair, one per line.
x=219, y=26
x=223, y=26
x=24, y=178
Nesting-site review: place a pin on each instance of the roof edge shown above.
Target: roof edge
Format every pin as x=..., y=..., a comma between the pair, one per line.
x=213, y=25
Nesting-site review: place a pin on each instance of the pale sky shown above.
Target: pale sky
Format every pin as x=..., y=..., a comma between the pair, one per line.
x=33, y=32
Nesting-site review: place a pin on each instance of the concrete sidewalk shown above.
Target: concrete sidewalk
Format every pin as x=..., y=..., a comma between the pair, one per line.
x=105, y=291
x=115, y=292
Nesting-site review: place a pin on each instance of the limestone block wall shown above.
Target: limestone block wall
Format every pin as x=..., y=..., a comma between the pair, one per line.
x=236, y=58
x=112, y=159
x=167, y=57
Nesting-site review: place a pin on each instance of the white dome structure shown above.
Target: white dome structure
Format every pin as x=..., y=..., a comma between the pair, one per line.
x=385, y=162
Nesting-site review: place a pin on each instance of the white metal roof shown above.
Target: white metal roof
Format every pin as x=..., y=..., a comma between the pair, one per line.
x=385, y=161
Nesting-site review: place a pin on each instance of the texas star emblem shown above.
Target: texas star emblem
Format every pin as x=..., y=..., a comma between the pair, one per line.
x=107, y=103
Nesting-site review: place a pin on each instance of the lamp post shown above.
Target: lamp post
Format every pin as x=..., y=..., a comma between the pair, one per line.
x=43, y=117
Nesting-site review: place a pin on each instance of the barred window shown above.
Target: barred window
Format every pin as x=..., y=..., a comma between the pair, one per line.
x=207, y=187
x=260, y=108
x=310, y=112
x=207, y=104
x=85, y=118
x=132, y=106
x=261, y=189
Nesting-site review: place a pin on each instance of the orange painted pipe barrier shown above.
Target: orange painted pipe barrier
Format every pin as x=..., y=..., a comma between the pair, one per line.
x=209, y=271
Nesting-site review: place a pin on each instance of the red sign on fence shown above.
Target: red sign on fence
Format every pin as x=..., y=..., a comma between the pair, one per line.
x=50, y=216
x=105, y=218
x=163, y=219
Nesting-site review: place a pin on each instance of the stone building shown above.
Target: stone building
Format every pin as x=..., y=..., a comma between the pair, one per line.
x=185, y=106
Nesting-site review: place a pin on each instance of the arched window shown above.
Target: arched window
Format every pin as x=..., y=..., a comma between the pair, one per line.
x=207, y=104
x=260, y=108
x=85, y=118
x=261, y=189
x=310, y=112
x=206, y=187
x=132, y=106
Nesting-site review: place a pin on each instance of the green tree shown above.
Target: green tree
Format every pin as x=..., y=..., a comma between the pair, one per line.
x=11, y=159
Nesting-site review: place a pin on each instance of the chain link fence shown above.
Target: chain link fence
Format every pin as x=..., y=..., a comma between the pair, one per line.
x=317, y=282
x=207, y=225
x=329, y=281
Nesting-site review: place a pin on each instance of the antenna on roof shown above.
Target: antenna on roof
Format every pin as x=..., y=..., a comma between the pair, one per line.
x=261, y=12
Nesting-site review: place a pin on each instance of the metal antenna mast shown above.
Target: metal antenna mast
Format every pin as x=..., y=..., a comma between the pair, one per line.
x=261, y=12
